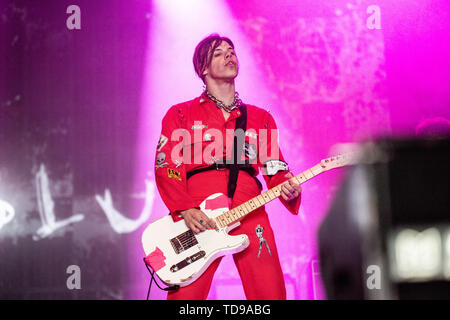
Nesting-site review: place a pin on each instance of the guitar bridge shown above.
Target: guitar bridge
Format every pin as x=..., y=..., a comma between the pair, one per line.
x=187, y=261
x=183, y=241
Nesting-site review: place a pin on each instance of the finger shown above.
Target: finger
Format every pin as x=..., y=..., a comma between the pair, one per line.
x=297, y=188
x=200, y=225
x=291, y=194
x=289, y=186
x=293, y=183
x=204, y=220
x=193, y=227
x=212, y=223
x=288, y=189
x=288, y=193
x=195, y=221
x=207, y=222
x=284, y=194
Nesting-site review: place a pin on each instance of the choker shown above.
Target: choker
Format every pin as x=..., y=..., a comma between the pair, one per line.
x=235, y=104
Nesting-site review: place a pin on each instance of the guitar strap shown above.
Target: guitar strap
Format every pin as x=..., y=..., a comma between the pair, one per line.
x=238, y=146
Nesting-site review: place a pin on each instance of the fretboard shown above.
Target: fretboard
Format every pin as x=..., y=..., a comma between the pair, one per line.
x=239, y=212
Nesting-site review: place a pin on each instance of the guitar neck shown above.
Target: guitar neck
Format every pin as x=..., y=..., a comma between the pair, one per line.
x=239, y=212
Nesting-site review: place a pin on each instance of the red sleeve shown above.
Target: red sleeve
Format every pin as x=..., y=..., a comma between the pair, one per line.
x=273, y=166
x=170, y=171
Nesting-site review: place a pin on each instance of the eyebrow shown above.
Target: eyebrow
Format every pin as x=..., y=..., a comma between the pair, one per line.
x=227, y=49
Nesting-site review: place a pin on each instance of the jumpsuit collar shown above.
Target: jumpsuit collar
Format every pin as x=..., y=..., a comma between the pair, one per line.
x=205, y=100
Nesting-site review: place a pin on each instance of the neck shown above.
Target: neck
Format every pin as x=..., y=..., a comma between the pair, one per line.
x=223, y=91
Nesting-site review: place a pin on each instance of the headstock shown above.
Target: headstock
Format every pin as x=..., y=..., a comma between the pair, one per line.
x=341, y=160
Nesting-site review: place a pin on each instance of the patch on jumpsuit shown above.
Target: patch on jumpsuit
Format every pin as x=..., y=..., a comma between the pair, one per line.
x=259, y=232
x=174, y=174
x=160, y=158
x=162, y=142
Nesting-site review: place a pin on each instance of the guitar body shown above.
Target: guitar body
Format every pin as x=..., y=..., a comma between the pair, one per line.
x=178, y=256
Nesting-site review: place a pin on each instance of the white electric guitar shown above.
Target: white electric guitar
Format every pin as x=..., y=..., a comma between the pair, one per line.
x=179, y=257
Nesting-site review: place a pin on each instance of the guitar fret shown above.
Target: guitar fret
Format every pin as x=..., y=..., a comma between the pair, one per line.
x=233, y=214
x=275, y=192
x=271, y=194
x=237, y=215
x=252, y=204
x=260, y=202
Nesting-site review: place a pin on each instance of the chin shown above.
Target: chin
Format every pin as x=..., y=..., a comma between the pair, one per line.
x=231, y=75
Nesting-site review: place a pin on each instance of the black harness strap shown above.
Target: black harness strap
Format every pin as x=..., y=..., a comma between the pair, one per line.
x=238, y=146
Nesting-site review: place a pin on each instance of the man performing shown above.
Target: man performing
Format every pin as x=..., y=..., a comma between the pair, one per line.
x=183, y=185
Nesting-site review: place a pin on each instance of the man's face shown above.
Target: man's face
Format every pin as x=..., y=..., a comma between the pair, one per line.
x=224, y=64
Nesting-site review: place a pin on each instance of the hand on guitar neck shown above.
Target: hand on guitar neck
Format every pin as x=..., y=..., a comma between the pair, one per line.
x=197, y=221
x=290, y=189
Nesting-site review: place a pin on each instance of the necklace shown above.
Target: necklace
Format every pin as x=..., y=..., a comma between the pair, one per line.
x=235, y=104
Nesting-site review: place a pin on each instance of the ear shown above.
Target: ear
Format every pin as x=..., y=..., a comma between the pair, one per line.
x=205, y=72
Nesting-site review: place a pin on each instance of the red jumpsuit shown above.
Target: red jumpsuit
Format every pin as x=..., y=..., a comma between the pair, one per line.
x=258, y=265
